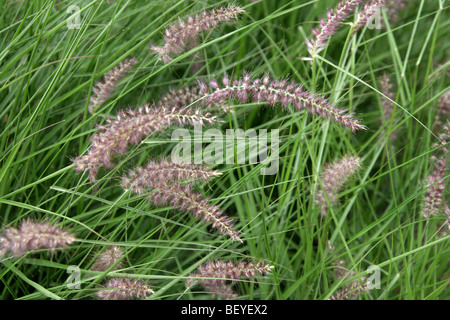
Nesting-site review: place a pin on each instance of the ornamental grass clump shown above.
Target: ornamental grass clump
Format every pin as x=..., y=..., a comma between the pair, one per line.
x=213, y=276
x=178, y=35
x=33, y=235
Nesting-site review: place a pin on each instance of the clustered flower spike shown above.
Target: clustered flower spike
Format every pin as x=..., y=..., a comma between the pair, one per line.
x=443, y=109
x=165, y=192
x=370, y=8
x=103, y=90
x=131, y=127
x=434, y=195
x=223, y=271
x=169, y=171
x=330, y=26
x=388, y=107
x=393, y=7
x=277, y=92
x=124, y=289
x=107, y=259
x=333, y=178
x=31, y=235
x=179, y=34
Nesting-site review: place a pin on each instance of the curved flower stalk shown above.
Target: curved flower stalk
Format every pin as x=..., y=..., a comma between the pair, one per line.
x=277, y=92
x=130, y=127
x=434, y=195
x=165, y=170
x=370, y=8
x=333, y=178
x=31, y=235
x=164, y=192
x=124, y=289
x=107, y=259
x=179, y=34
x=103, y=90
x=223, y=271
x=330, y=26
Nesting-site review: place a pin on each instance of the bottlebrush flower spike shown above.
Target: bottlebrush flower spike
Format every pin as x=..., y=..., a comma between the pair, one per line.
x=165, y=170
x=130, y=127
x=273, y=92
x=350, y=292
x=224, y=271
x=107, y=259
x=330, y=26
x=393, y=7
x=164, y=192
x=370, y=8
x=333, y=178
x=388, y=107
x=103, y=90
x=124, y=289
x=434, y=195
x=31, y=236
x=177, y=36
x=443, y=109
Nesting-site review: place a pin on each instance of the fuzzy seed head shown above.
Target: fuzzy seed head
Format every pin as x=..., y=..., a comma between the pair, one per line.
x=31, y=235
x=124, y=289
x=333, y=178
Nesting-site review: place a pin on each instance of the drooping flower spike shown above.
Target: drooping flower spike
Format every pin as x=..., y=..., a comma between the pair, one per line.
x=330, y=26
x=277, y=92
x=165, y=189
x=179, y=34
x=32, y=235
x=124, y=289
x=222, y=271
x=103, y=89
x=130, y=127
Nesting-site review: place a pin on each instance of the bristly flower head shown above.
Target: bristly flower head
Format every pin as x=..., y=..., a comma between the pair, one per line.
x=370, y=8
x=169, y=171
x=107, y=259
x=102, y=90
x=434, y=195
x=130, y=127
x=333, y=178
x=277, y=92
x=223, y=271
x=443, y=109
x=164, y=192
x=330, y=26
x=178, y=35
x=124, y=289
x=31, y=236
x=388, y=107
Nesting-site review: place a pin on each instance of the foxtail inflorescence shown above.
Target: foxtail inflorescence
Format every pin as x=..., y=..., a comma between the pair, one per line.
x=130, y=127
x=388, y=107
x=333, y=178
x=277, y=92
x=103, y=89
x=124, y=289
x=213, y=275
x=330, y=26
x=370, y=8
x=434, y=195
x=443, y=109
x=177, y=36
x=162, y=183
x=32, y=235
x=108, y=258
